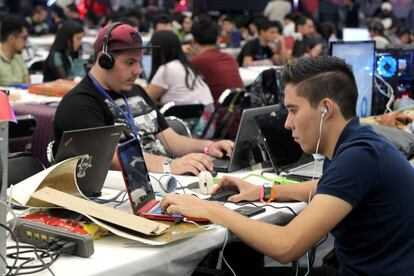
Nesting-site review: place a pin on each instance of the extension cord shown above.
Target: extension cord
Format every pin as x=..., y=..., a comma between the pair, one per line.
x=37, y=233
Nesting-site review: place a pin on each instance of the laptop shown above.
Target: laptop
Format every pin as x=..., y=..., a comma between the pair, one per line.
x=246, y=140
x=286, y=156
x=99, y=143
x=138, y=185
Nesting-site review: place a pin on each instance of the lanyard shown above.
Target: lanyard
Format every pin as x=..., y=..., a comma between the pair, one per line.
x=129, y=118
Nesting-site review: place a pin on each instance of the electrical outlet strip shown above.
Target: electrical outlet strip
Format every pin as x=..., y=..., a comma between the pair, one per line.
x=37, y=233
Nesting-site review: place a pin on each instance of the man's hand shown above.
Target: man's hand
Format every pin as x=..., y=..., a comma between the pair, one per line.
x=247, y=191
x=193, y=163
x=218, y=148
x=188, y=205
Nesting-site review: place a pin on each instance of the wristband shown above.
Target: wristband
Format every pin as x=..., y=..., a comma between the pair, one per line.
x=267, y=191
x=261, y=193
x=207, y=147
x=166, y=165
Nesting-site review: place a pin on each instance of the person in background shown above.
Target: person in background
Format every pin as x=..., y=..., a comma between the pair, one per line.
x=37, y=21
x=57, y=15
x=276, y=10
x=13, y=37
x=72, y=13
x=377, y=32
x=227, y=26
x=173, y=78
x=257, y=51
x=108, y=95
x=163, y=22
x=59, y=63
x=359, y=199
x=220, y=70
x=184, y=33
x=306, y=43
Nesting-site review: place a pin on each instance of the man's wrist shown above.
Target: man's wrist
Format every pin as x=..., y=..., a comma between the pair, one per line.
x=207, y=148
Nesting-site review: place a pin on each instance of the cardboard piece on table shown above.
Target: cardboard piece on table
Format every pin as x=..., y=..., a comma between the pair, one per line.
x=102, y=212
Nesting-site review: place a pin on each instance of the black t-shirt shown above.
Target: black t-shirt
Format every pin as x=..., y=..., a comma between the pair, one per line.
x=254, y=49
x=86, y=107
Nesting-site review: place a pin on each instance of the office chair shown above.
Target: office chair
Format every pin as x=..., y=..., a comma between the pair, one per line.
x=227, y=112
x=21, y=133
x=178, y=125
x=189, y=113
x=22, y=165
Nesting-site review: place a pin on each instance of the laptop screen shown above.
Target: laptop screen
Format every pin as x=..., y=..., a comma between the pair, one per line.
x=91, y=174
x=283, y=151
x=134, y=170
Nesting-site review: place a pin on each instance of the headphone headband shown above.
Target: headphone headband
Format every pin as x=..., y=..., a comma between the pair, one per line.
x=107, y=36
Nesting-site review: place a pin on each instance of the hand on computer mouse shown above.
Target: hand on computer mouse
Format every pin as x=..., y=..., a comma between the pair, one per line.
x=221, y=148
x=192, y=163
x=247, y=191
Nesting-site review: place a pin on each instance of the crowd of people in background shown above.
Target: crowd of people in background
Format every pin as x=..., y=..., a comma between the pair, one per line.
x=186, y=66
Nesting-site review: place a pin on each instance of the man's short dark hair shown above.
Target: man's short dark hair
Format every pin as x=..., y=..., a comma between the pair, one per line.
x=264, y=25
x=205, y=31
x=12, y=25
x=324, y=77
x=163, y=19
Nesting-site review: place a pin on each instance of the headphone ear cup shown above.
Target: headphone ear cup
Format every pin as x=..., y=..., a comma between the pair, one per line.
x=106, y=61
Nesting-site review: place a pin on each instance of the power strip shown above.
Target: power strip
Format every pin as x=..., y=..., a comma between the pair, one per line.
x=37, y=233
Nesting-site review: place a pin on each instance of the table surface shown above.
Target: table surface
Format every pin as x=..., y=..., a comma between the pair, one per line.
x=118, y=256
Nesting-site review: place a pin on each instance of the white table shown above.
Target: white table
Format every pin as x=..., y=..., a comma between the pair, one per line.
x=113, y=257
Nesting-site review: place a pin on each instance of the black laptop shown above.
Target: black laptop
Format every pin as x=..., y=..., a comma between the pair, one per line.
x=246, y=140
x=99, y=143
x=284, y=153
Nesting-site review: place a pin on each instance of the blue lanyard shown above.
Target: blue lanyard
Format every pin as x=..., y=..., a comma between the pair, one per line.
x=129, y=118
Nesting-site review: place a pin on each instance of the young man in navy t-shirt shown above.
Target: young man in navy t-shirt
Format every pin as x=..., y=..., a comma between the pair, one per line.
x=364, y=198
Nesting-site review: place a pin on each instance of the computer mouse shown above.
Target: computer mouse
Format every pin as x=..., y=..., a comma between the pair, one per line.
x=223, y=195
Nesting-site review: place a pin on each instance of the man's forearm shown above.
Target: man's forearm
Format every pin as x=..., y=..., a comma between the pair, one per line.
x=154, y=162
x=300, y=191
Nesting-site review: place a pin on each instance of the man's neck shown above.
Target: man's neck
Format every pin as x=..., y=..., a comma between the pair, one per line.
x=332, y=137
x=8, y=51
x=99, y=77
x=205, y=48
x=262, y=41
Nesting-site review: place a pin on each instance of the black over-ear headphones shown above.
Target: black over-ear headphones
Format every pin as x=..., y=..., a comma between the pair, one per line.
x=106, y=60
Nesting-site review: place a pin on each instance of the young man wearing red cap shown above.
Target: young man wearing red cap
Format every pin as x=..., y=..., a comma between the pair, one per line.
x=108, y=95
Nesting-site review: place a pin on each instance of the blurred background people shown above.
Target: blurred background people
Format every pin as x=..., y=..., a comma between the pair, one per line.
x=60, y=62
x=13, y=37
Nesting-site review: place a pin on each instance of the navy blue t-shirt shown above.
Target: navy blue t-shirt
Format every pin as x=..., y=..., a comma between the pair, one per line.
x=377, y=236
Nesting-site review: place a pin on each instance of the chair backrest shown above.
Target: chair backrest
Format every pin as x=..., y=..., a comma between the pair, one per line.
x=227, y=112
x=22, y=165
x=190, y=113
x=20, y=134
x=178, y=125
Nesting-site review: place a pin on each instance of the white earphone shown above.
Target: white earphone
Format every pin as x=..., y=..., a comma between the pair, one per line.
x=325, y=111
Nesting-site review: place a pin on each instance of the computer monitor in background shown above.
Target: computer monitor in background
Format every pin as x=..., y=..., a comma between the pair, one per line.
x=146, y=65
x=361, y=56
x=355, y=34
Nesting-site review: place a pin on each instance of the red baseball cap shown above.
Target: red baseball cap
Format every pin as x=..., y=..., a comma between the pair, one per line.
x=122, y=37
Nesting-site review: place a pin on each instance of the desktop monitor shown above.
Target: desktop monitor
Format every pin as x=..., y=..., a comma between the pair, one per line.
x=146, y=64
x=355, y=34
x=361, y=56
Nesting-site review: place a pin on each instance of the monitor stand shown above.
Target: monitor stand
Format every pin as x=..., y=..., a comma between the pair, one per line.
x=4, y=149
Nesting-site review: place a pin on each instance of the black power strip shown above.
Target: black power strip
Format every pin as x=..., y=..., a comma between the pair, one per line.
x=37, y=234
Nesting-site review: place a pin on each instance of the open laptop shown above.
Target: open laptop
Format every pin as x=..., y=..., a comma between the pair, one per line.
x=285, y=154
x=138, y=184
x=246, y=140
x=99, y=143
